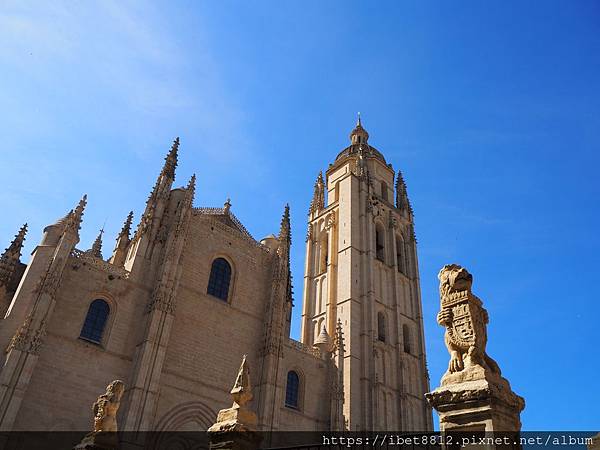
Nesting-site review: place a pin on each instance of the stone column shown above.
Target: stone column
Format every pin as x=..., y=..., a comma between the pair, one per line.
x=473, y=396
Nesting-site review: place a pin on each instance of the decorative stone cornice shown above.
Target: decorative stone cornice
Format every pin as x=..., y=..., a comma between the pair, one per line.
x=100, y=264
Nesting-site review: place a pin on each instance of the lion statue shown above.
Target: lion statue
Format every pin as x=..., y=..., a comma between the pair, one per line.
x=465, y=320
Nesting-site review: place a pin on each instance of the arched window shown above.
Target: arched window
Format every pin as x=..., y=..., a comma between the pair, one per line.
x=220, y=279
x=324, y=253
x=292, y=390
x=406, y=339
x=381, y=326
x=384, y=191
x=379, y=243
x=400, y=255
x=95, y=321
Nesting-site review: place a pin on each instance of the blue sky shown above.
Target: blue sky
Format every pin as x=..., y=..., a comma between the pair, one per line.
x=489, y=108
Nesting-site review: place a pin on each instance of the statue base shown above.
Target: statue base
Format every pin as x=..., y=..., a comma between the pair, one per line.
x=234, y=430
x=476, y=400
x=99, y=441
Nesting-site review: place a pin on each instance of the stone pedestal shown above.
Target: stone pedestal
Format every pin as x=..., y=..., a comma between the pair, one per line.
x=473, y=397
x=99, y=441
x=477, y=406
x=234, y=440
x=235, y=428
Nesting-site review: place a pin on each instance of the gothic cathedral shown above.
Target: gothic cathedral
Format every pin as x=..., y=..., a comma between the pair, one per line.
x=177, y=304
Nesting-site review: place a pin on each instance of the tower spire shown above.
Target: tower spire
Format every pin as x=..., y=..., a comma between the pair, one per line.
x=162, y=188
x=11, y=256
x=318, y=200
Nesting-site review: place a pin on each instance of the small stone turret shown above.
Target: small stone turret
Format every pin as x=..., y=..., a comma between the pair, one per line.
x=324, y=342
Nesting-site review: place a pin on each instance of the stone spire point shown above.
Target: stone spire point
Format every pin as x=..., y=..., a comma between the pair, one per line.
x=96, y=249
x=359, y=135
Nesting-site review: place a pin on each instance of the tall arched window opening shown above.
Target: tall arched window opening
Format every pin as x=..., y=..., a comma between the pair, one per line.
x=400, y=255
x=220, y=279
x=381, y=326
x=379, y=243
x=95, y=321
x=324, y=252
x=292, y=390
x=384, y=191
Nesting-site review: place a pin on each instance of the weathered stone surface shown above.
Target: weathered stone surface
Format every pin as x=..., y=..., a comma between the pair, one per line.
x=104, y=434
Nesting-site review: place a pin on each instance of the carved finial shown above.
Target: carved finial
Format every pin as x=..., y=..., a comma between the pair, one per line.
x=126, y=226
x=358, y=124
x=15, y=247
x=402, y=201
x=96, y=249
x=318, y=201
x=241, y=393
x=285, y=231
x=227, y=206
x=73, y=222
x=80, y=208
x=171, y=160
x=11, y=256
x=283, y=251
x=191, y=189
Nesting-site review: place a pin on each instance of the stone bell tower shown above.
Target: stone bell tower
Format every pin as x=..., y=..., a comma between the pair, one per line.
x=361, y=268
